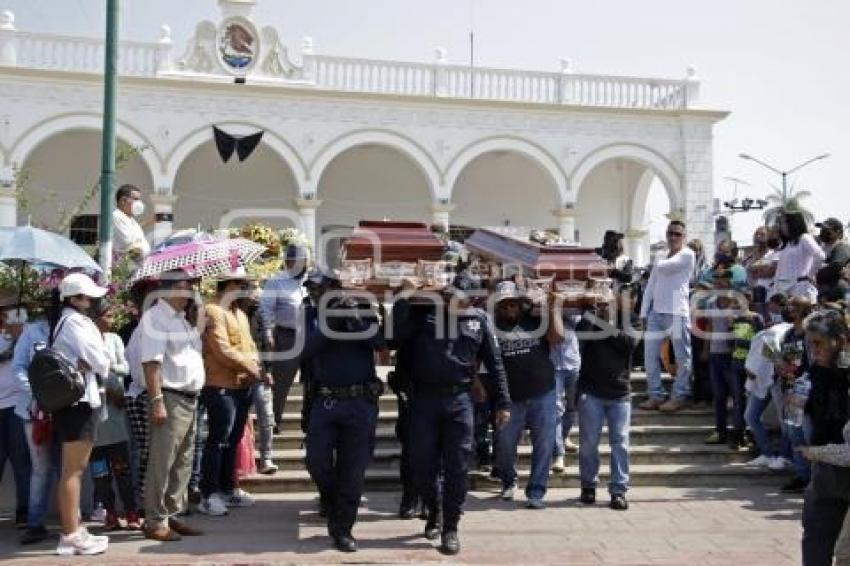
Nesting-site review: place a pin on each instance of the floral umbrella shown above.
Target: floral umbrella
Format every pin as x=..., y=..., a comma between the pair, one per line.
x=200, y=258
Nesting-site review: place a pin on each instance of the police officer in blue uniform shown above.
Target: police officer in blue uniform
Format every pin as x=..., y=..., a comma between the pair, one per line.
x=342, y=337
x=446, y=343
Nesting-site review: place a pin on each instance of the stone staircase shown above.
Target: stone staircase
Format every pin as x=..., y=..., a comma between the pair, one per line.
x=666, y=450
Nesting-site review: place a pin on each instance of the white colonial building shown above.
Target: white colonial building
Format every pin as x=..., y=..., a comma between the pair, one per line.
x=348, y=139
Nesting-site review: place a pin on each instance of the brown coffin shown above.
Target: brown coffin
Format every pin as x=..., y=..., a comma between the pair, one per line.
x=390, y=241
x=511, y=248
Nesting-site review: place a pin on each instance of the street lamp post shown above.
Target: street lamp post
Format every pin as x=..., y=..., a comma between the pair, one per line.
x=783, y=174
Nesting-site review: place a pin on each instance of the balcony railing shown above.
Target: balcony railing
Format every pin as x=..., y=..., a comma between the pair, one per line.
x=437, y=79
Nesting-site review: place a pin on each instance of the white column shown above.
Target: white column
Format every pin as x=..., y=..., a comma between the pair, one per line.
x=698, y=182
x=637, y=245
x=8, y=207
x=440, y=214
x=163, y=210
x=307, y=209
x=566, y=222
x=565, y=84
x=164, y=64
x=440, y=75
x=309, y=65
x=8, y=40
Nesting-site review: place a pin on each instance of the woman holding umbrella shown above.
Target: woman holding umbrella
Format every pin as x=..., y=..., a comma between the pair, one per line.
x=76, y=336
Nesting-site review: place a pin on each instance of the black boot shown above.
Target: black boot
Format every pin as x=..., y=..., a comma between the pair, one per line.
x=588, y=495
x=433, y=524
x=344, y=542
x=407, y=508
x=450, y=543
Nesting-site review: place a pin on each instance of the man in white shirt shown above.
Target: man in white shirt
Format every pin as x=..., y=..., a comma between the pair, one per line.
x=170, y=352
x=128, y=237
x=666, y=313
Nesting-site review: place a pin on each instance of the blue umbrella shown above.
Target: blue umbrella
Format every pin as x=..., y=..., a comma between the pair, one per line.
x=32, y=245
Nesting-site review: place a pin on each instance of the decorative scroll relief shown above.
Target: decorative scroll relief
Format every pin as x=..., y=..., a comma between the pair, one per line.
x=275, y=59
x=200, y=55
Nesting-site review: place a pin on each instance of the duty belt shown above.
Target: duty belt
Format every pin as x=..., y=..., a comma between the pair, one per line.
x=372, y=389
x=442, y=390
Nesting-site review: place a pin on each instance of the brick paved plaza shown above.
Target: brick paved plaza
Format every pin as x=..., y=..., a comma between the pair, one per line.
x=750, y=526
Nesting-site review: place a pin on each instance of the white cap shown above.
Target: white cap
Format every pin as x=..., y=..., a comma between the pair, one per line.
x=80, y=284
x=507, y=290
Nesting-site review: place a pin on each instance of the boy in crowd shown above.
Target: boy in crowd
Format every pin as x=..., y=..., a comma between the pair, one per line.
x=744, y=328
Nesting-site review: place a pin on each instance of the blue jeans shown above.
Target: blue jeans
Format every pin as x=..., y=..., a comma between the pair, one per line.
x=13, y=447
x=565, y=394
x=726, y=382
x=755, y=409
x=678, y=329
x=265, y=419
x=227, y=412
x=593, y=413
x=46, y=463
x=538, y=414
x=799, y=436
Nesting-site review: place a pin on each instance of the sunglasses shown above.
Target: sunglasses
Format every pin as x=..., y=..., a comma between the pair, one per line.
x=675, y=234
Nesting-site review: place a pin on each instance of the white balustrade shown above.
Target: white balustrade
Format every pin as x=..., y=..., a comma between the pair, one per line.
x=146, y=59
x=82, y=54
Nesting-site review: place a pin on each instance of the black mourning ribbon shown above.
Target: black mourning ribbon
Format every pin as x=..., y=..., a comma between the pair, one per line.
x=244, y=146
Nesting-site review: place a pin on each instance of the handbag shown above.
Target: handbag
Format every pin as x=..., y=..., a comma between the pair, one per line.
x=55, y=381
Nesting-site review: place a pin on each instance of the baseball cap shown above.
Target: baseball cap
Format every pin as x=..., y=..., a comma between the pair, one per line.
x=464, y=283
x=506, y=290
x=833, y=224
x=295, y=252
x=80, y=284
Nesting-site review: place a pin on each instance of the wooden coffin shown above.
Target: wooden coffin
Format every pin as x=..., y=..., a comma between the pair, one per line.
x=389, y=241
x=380, y=255
x=579, y=274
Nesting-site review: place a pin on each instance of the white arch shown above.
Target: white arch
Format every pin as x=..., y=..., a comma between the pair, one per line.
x=658, y=165
x=637, y=202
x=513, y=144
x=192, y=141
x=56, y=125
x=393, y=140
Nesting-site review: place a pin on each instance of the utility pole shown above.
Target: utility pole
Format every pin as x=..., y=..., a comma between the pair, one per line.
x=107, y=174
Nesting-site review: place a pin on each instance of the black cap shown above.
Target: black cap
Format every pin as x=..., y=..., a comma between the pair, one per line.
x=296, y=252
x=833, y=224
x=465, y=282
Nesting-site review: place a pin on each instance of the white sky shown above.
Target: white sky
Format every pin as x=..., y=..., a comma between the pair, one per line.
x=781, y=66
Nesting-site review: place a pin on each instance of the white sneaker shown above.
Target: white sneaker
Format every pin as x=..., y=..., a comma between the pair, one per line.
x=777, y=463
x=239, y=498
x=508, y=493
x=760, y=462
x=213, y=506
x=268, y=468
x=558, y=464
x=81, y=543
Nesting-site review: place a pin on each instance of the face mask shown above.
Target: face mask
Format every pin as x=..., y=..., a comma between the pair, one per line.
x=138, y=208
x=776, y=318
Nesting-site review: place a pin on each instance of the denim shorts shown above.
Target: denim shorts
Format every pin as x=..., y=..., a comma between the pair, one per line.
x=76, y=423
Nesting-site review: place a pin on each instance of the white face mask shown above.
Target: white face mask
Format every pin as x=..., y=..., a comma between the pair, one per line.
x=138, y=208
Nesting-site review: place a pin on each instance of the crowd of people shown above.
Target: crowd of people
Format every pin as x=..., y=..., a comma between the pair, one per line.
x=164, y=414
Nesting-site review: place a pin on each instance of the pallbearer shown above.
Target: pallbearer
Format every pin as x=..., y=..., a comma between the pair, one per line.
x=342, y=337
x=446, y=343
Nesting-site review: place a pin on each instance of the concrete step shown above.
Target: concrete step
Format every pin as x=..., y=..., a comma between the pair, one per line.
x=679, y=475
x=643, y=434
x=696, y=454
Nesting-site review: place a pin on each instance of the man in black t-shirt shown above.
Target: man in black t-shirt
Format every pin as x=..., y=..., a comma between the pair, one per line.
x=524, y=340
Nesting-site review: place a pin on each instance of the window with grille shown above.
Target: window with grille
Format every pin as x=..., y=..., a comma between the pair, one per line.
x=84, y=229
